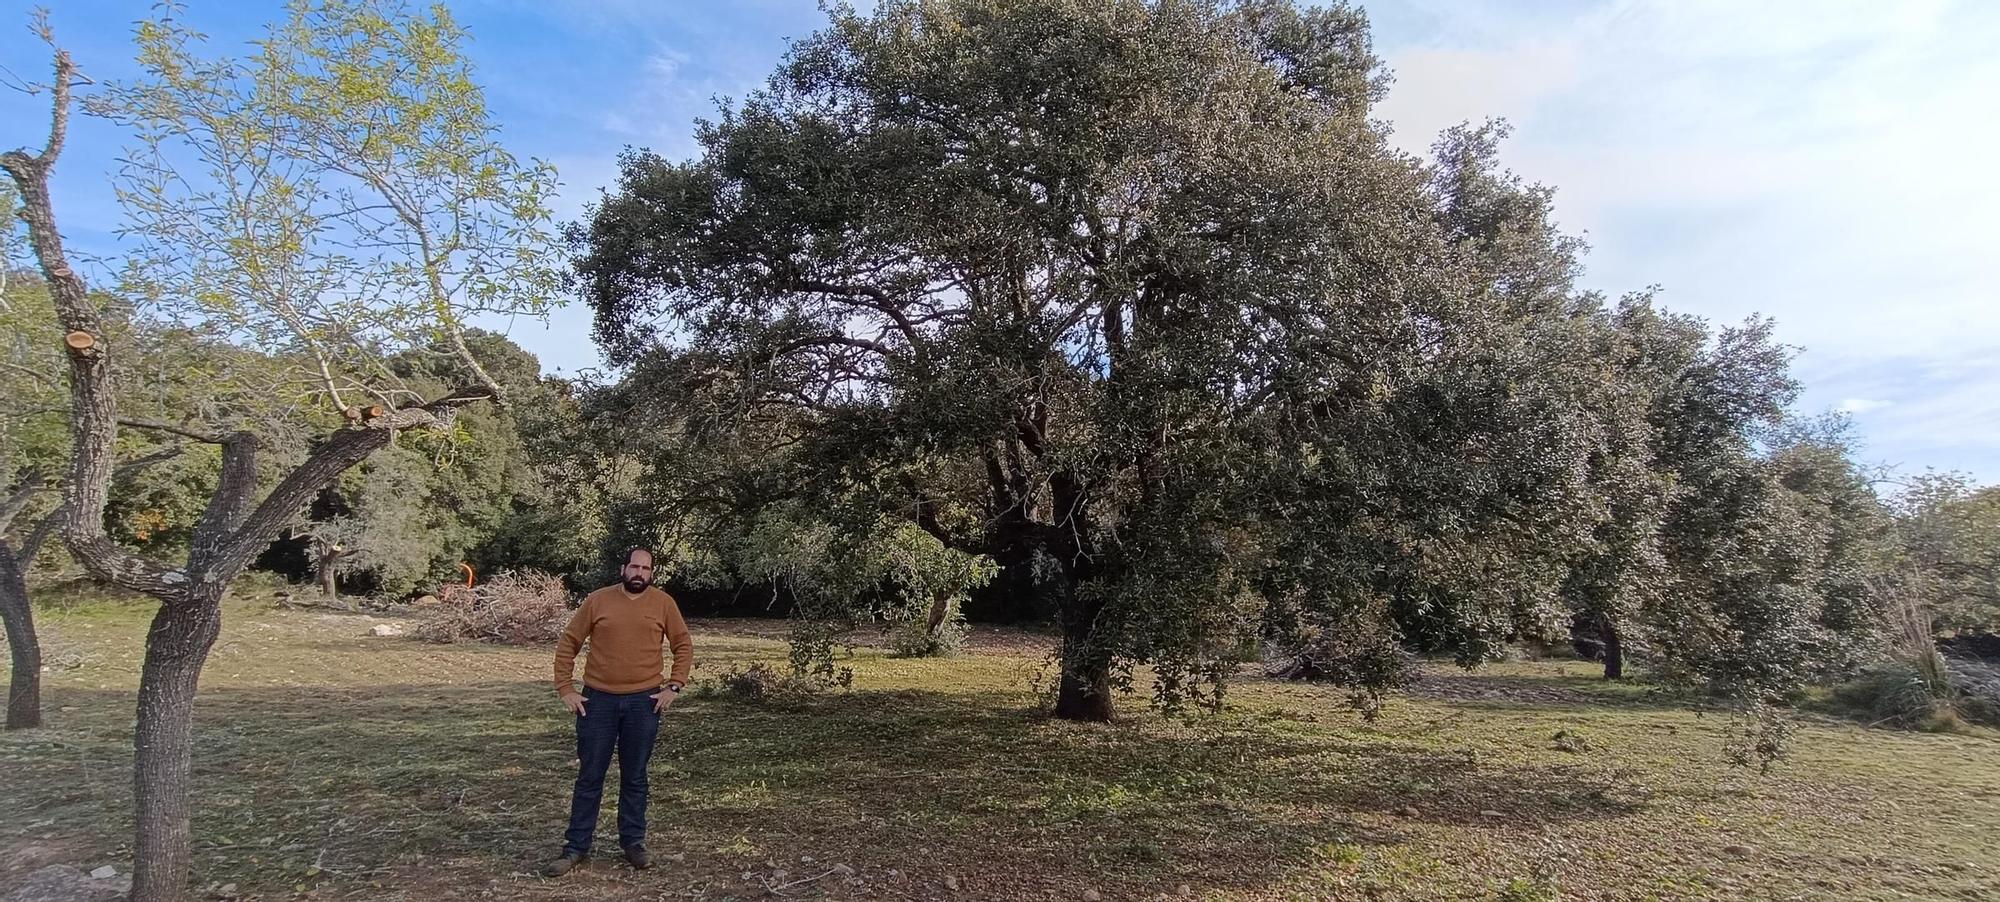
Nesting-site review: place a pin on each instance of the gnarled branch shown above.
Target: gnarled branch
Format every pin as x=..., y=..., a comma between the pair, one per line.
x=341, y=450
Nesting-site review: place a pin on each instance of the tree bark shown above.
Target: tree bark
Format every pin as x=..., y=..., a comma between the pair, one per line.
x=163, y=746
x=1085, y=691
x=326, y=586
x=228, y=536
x=24, y=682
x=1614, y=648
x=939, y=615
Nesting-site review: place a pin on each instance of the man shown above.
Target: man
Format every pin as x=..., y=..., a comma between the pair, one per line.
x=622, y=699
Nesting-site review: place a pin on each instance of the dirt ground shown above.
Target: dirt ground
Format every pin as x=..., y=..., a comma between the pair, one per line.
x=331, y=763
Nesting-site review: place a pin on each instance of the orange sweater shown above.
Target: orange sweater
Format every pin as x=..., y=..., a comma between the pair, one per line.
x=624, y=632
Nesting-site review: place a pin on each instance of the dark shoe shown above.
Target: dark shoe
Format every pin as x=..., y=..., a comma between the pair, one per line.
x=636, y=854
x=568, y=862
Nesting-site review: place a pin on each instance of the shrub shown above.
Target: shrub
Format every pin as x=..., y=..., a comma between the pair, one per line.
x=1897, y=693
x=1356, y=649
x=1916, y=686
x=527, y=607
x=760, y=683
x=913, y=638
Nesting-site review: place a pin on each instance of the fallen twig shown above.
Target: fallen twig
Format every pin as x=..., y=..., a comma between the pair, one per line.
x=785, y=886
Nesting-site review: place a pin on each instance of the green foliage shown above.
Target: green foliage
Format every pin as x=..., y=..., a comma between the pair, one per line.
x=333, y=199
x=1910, y=695
x=1133, y=300
x=162, y=372
x=34, y=424
x=475, y=493
x=918, y=638
x=1947, y=530
x=1912, y=685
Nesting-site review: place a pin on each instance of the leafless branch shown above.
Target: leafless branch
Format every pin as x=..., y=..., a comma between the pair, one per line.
x=192, y=432
x=31, y=485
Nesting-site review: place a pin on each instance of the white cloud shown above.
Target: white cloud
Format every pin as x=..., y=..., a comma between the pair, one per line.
x=1859, y=405
x=1826, y=163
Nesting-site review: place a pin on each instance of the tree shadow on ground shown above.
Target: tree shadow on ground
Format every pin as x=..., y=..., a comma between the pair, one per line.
x=408, y=786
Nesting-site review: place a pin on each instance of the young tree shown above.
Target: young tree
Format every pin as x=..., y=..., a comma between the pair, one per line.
x=1947, y=530
x=340, y=193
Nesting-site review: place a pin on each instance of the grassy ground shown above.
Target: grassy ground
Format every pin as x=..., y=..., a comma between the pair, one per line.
x=332, y=764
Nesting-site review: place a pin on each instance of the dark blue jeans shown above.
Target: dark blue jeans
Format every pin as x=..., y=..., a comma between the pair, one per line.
x=612, y=720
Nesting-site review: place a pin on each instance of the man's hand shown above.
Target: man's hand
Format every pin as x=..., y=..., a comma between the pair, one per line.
x=664, y=699
x=575, y=703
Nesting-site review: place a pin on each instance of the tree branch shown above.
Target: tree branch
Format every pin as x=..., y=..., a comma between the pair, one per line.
x=66, y=74
x=192, y=432
x=93, y=405
x=31, y=485
x=877, y=300
x=232, y=496
x=851, y=342
x=31, y=544
x=341, y=450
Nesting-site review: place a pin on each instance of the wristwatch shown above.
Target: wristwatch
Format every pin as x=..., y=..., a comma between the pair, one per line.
x=674, y=688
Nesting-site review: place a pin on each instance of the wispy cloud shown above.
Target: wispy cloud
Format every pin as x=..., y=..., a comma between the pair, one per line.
x=1817, y=162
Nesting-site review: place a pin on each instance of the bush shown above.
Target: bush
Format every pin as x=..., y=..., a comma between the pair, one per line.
x=1917, y=687
x=761, y=683
x=527, y=607
x=1978, y=686
x=913, y=638
x=1897, y=693
x=1356, y=649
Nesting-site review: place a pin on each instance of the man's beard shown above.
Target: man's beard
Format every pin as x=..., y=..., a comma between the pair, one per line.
x=637, y=584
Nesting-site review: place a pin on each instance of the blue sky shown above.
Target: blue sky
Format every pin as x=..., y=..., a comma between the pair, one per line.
x=1830, y=163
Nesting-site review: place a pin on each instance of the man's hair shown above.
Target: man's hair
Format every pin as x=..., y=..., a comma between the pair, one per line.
x=650, y=556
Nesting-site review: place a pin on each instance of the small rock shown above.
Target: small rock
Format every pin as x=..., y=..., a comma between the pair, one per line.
x=1410, y=811
x=1091, y=895
x=1491, y=813
x=228, y=891
x=951, y=883
x=386, y=630
x=426, y=600
x=1738, y=851
x=104, y=873
x=1184, y=890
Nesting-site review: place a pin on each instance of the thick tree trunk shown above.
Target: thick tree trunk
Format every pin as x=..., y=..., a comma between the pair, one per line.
x=176, y=648
x=326, y=586
x=1085, y=691
x=1614, y=648
x=24, y=683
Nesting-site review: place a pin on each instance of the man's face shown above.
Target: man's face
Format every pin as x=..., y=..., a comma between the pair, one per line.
x=638, y=572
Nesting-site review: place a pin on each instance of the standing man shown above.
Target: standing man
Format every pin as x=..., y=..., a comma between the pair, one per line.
x=621, y=702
